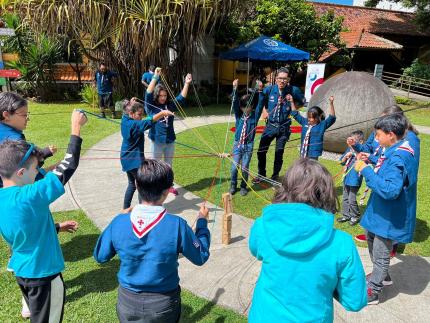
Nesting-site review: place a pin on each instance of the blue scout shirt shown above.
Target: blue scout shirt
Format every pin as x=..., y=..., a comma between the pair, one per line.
x=391, y=210
x=8, y=132
x=147, y=77
x=316, y=139
x=104, y=82
x=352, y=178
x=27, y=226
x=279, y=118
x=251, y=122
x=162, y=132
x=298, y=245
x=133, y=142
x=150, y=264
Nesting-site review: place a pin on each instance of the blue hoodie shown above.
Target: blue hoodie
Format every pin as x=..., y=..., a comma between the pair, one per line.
x=305, y=263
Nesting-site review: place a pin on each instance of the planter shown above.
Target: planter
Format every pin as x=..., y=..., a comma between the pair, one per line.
x=10, y=57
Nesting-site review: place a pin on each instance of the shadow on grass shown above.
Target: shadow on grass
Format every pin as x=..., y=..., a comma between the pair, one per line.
x=422, y=231
x=79, y=247
x=188, y=315
x=204, y=183
x=100, y=280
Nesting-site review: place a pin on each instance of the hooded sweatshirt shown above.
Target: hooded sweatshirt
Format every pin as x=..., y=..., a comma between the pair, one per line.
x=305, y=263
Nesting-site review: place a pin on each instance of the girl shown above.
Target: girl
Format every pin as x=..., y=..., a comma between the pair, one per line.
x=305, y=261
x=162, y=134
x=313, y=128
x=133, y=143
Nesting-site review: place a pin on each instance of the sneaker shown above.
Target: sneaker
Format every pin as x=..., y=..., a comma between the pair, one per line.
x=387, y=281
x=173, y=191
x=233, y=190
x=275, y=177
x=25, y=311
x=243, y=191
x=343, y=219
x=393, y=252
x=361, y=238
x=372, y=297
x=256, y=180
x=103, y=115
x=354, y=221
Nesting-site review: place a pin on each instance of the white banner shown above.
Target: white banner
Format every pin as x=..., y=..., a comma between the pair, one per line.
x=314, y=78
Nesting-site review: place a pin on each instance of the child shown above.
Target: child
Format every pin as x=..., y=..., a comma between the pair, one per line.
x=247, y=117
x=162, y=134
x=27, y=224
x=391, y=211
x=148, y=241
x=313, y=128
x=14, y=116
x=305, y=260
x=133, y=143
x=351, y=183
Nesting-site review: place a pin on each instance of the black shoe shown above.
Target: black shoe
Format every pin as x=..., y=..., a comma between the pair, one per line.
x=343, y=219
x=233, y=190
x=256, y=180
x=103, y=115
x=354, y=221
x=243, y=191
x=275, y=177
x=387, y=281
x=372, y=297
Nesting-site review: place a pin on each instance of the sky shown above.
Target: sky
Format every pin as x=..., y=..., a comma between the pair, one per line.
x=345, y=2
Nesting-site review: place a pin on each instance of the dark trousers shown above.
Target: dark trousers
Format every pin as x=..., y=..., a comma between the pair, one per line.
x=266, y=140
x=350, y=207
x=106, y=101
x=131, y=188
x=148, y=307
x=379, y=251
x=45, y=298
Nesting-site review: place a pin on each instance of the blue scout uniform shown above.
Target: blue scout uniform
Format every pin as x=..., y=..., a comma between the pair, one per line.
x=391, y=210
x=104, y=82
x=147, y=77
x=351, y=178
x=162, y=131
x=316, y=139
x=305, y=262
x=133, y=142
x=251, y=120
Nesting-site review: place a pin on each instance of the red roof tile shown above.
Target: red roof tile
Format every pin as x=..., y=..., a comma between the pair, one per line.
x=65, y=73
x=364, y=39
x=378, y=21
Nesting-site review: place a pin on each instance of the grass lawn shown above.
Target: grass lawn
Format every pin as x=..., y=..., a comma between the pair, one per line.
x=420, y=116
x=92, y=288
x=196, y=175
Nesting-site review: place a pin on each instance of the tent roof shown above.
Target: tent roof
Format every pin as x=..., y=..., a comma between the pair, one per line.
x=265, y=49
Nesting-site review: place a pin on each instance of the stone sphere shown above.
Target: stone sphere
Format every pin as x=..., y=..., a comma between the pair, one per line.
x=358, y=96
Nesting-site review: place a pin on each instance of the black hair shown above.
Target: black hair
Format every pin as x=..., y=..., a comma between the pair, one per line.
x=10, y=102
x=134, y=107
x=317, y=113
x=283, y=70
x=151, y=67
x=395, y=123
x=11, y=154
x=157, y=90
x=359, y=134
x=398, y=110
x=250, y=100
x=309, y=182
x=153, y=179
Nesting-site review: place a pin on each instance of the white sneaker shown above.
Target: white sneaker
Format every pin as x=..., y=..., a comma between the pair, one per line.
x=25, y=311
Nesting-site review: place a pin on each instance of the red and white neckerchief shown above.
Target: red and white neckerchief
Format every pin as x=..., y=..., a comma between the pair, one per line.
x=277, y=110
x=305, y=146
x=144, y=218
x=165, y=119
x=380, y=161
x=243, y=132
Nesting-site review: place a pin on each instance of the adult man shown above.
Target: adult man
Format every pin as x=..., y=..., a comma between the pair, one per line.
x=147, y=76
x=278, y=121
x=103, y=80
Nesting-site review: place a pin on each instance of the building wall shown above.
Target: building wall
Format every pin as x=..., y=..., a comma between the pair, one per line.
x=203, y=61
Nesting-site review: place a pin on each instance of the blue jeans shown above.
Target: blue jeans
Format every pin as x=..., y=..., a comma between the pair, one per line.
x=163, y=151
x=241, y=157
x=131, y=188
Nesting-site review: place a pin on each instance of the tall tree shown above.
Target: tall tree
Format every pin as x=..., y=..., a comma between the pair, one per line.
x=129, y=34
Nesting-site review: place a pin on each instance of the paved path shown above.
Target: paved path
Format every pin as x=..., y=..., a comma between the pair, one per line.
x=228, y=278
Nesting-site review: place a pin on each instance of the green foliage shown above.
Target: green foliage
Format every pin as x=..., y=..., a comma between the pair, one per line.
x=404, y=101
x=295, y=22
x=89, y=96
x=418, y=69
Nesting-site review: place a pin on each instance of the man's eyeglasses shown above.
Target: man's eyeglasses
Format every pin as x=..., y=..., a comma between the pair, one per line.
x=282, y=79
x=25, y=115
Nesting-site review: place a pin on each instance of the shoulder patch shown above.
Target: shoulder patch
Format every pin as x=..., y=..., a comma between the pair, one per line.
x=406, y=147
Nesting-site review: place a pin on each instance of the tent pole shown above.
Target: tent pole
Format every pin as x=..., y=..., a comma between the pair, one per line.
x=247, y=78
x=217, y=88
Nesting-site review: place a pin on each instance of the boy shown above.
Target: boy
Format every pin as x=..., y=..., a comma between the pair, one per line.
x=27, y=224
x=391, y=211
x=148, y=242
x=247, y=116
x=351, y=183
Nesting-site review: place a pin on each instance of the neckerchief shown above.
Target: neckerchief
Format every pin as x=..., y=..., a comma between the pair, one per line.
x=144, y=218
x=243, y=132
x=305, y=146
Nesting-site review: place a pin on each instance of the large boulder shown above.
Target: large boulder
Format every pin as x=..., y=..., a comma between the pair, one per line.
x=358, y=97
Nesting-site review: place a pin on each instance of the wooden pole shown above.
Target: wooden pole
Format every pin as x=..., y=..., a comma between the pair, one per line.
x=227, y=218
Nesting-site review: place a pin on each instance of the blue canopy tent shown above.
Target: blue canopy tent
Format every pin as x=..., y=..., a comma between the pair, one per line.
x=264, y=48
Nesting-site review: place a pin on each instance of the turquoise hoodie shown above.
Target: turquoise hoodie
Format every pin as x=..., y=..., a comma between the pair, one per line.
x=305, y=263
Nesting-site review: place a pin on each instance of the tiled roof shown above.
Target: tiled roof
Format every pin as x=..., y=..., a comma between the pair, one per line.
x=364, y=39
x=65, y=73
x=378, y=21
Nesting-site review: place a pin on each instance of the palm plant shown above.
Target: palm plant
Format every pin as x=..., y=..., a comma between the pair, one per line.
x=129, y=34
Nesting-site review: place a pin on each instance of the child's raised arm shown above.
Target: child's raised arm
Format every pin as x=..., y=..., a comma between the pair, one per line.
x=162, y=114
x=188, y=80
x=154, y=80
x=332, y=112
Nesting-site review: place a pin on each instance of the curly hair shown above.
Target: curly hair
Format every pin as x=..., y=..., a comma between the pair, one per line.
x=157, y=90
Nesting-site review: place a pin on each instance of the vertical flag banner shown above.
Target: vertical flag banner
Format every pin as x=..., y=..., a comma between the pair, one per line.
x=314, y=78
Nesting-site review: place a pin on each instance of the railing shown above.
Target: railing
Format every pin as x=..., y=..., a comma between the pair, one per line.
x=407, y=83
